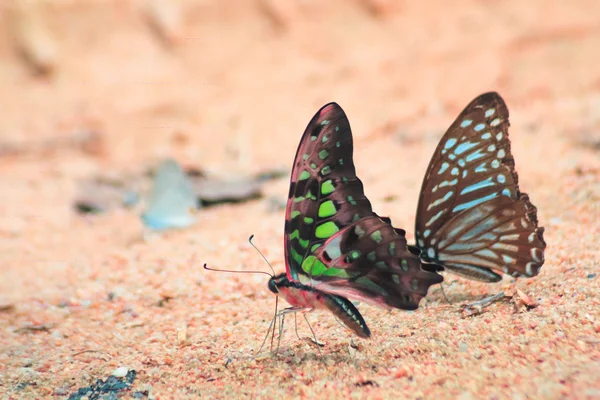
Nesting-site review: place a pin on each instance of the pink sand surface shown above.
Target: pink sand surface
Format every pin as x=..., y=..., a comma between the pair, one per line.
x=232, y=94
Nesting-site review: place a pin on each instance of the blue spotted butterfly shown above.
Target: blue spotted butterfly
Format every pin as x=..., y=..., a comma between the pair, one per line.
x=472, y=219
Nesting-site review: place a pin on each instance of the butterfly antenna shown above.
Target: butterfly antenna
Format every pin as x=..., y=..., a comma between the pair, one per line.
x=260, y=252
x=236, y=272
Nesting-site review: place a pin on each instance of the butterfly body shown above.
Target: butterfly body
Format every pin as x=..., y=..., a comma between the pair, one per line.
x=335, y=245
x=472, y=219
x=307, y=298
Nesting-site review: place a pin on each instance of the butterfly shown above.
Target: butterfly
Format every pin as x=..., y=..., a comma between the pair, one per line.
x=172, y=202
x=336, y=247
x=472, y=219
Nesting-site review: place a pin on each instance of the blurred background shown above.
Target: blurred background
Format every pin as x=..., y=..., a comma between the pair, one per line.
x=109, y=87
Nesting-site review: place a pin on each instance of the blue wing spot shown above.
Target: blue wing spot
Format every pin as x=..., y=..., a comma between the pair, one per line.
x=426, y=233
x=478, y=185
x=436, y=216
x=501, y=153
x=481, y=168
x=449, y=143
x=451, y=156
x=454, y=171
x=461, y=148
x=440, y=201
x=479, y=127
x=499, y=136
x=466, y=123
x=486, y=136
x=501, y=178
x=507, y=259
x=492, y=147
x=489, y=112
x=473, y=203
x=475, y=155
x=495, y=122
x=495, y=164
x=430, y=252
x=506, y=192
x=449, y=183
x=443, y=168
x=461, y=163
x=464, y=173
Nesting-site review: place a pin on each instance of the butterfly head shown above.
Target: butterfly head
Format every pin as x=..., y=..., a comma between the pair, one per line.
x=277, y=281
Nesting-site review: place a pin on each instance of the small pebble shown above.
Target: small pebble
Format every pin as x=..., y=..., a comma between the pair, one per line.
x=120, y=372
x=463, y=347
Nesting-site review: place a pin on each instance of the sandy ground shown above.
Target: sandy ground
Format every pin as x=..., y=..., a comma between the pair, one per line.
x=232, y=93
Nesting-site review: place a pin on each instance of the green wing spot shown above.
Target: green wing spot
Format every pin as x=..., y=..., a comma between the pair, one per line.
x=360, y=232
x=392, y=249
x=372, y=256
x=325, y=170
x=356, y=217
x=323, y=154
x=354, y=254
x=415, y=284
x=337, y=144
x=303, y=243
x=325, y=138
x=337, y=272
x=341, y=162
x=308, y=220
x=327, y=209
x=313, y=165
x=294, y=214
x=313, y=138
x=299, y=199
x=326, y=230
x=327, y=187
x=381, y=265
x=315, y=247
x=396, y=279
x=351, y=200
x=404, y=265
x=344, y=179
x=325, y=122
x=305, y=156
x=312, y=266
x=337, y=128
x=376, y=236
x=304, y=175
x=310, y=196
x=296, y=256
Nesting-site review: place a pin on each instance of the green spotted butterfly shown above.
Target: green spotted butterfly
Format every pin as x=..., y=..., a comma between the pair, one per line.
x=336, y=247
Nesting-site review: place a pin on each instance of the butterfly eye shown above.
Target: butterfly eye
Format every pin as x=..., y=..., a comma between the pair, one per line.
x=273, y=286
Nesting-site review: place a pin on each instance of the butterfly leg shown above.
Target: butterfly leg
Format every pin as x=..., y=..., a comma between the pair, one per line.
x=271, y=325
x=282, y=314
x=314, y=336
x=478, y=306
x=296, y=326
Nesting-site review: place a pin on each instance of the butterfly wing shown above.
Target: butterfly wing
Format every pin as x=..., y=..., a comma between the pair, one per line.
x=472, y=218
x=327, y=204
